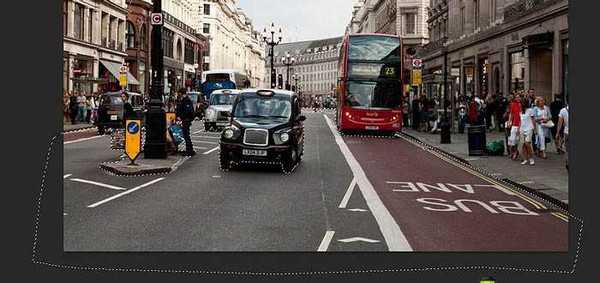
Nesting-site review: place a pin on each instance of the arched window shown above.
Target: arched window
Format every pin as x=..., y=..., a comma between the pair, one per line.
x=143, y=37
x=130, y=36
x=178, y=50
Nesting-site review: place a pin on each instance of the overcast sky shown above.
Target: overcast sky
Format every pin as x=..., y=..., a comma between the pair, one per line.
x=301, y=19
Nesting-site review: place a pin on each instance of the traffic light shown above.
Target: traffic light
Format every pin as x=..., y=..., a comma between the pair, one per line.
x=280, y=81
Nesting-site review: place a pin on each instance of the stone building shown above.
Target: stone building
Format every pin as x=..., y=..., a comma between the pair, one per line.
x=94, y=44
x=497, y=46
x=316, y=66
x=234, y=43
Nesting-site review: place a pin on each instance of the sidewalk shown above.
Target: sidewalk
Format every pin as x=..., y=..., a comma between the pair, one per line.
x=67, y=126
x=548, y=176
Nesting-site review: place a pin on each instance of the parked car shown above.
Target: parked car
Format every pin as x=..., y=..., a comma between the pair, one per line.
x=111, y=111
x=220, y=103
x=265, y=126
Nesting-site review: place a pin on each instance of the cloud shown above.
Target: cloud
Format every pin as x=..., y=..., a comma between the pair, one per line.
x=301, y=19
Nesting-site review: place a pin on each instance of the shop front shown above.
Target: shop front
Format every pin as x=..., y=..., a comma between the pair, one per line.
x=110, y=73
x=82, y=69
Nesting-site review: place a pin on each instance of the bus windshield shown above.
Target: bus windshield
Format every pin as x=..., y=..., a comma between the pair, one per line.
x=217, y=77
x=374, y=94
x=374, y=48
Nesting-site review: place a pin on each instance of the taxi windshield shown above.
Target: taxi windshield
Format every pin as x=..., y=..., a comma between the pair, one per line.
x=256, y=106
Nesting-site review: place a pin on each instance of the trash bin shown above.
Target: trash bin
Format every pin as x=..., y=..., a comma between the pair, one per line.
x=477, y=142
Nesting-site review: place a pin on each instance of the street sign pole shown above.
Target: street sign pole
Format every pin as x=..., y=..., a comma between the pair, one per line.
x=156, y=125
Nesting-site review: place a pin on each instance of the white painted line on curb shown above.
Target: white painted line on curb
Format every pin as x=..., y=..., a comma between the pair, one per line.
x=325, y=242
x=67, y=176
x=394, y=237
x=98, y=184
x=212, y=150
x=124, y=193
x=349, y=192
x=82, y=140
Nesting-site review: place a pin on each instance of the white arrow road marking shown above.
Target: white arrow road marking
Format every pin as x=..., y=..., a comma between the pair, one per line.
x=325, y=242
x=124, y=193
x=358, y=239
x=98, y=184
x=394, y=237
x=211, y=151
x=357, y=210
x=349, y=191
x=67, y=176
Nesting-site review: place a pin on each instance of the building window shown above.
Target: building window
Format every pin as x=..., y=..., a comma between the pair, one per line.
x=206, y=28
x=189, y=52
x=492, y=11
x=410, y=23
x=207, y=9
x=178, y=51
x=130, y=35
x=167, y=42
x=463, y=19
x=78, y=21
x=565, y=73
x=91, y=26
x=143, y=37
x=517, y=71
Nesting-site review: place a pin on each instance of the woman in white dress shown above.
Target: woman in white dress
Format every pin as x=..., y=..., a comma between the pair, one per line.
x=542, y=117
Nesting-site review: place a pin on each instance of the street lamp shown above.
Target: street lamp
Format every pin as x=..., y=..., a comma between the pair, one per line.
x=446, y=137
x=288, y=61
x=271, y=42
x=156, y=124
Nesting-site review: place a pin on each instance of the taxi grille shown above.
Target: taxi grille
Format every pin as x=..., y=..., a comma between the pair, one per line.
x=259, y=137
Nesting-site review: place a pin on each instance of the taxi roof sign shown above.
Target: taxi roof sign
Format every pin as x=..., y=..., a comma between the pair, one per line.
x=265, y=92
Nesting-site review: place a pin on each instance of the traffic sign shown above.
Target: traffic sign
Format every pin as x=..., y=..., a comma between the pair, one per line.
x=417, y=78
x=156, y=19
x=417, y=63
x=133, y=139
x=123, y=79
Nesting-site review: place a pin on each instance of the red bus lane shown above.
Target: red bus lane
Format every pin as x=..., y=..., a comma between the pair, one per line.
x=441, y=207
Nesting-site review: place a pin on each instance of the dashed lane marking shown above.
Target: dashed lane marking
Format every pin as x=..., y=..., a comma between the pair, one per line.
x=98, y=184
x=124, y=193
x=349, y=191
x=393, y=235
x=211, y=151
x=325, y=242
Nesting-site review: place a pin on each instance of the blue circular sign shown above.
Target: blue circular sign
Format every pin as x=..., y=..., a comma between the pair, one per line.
x=133, y=128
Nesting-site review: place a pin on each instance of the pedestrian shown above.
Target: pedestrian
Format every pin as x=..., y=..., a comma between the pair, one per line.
x=563, y=126
x=73, y=108
x=185, y=114
x=543, y=123
x=473, y=115
x=490, y=110
x=514, y=124
x=82, y=106
x=88, y=107
x=66, y=107
x=462, y=115
x=526, y=133
x=506, y=123
x=128, y=112
x=416, y=113
x=501, y=109
x=555, y=107
x=480, y=110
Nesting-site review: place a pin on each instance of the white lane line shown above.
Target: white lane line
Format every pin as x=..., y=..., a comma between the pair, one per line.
x=212, y=150
x=325, y=242
x=82, y=140
x=200, y=148
x=349, y=192
x=98, y=184
x=67, y=176
x=124, y=193
x=394, y=238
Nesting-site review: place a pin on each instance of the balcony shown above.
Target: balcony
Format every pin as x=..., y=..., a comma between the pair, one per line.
x=524, y=7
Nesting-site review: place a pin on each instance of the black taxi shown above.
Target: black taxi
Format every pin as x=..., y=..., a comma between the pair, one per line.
x=266, y=126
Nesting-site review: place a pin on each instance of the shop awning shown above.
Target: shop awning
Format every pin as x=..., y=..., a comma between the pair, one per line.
x=114, y=69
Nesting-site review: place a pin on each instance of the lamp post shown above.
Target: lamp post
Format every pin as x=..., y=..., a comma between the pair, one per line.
x=288, y=61
x=446, y=137
x=271, y=42
x=156, y=124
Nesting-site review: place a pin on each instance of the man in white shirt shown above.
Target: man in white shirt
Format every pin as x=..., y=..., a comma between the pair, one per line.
x=563, y=124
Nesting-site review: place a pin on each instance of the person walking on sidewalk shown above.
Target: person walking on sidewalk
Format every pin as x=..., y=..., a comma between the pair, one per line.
x=185, y=114
x=563, y=126
x=73, y=108
x=555, y=107
x=526, y=133
x=513, y=125
x=543, y=121
x=82, y=106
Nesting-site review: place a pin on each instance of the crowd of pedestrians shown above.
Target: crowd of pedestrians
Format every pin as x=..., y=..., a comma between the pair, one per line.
x=528, y=122
x=79, y=108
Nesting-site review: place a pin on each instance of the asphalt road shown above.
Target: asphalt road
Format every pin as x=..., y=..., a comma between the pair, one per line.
x=349, y=194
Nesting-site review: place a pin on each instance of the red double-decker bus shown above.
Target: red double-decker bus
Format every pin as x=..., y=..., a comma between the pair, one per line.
x=369, y=91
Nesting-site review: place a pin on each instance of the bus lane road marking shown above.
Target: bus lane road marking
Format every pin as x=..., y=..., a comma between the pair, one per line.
x=393, y=235
x=326, y=241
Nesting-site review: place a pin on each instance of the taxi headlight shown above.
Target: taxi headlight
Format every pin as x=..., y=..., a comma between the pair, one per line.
x=285, y=137
x=210, y=114
x=228, y=134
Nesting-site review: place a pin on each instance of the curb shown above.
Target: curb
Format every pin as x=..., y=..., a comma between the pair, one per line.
x=79, y=129
x=144, y=172
x=506, y=181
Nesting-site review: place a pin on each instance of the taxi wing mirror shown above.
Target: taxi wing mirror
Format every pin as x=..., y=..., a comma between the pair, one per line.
x=301, y=118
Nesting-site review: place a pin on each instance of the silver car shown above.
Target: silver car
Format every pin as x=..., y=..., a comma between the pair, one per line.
x=216, y=115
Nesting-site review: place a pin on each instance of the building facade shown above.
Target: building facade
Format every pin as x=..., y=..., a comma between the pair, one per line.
x=497, y=46
x=137, y=40
x=234, y=43
x=94, y=44
x=316, y=66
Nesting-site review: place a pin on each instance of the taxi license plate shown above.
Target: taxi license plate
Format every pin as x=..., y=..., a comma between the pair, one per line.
x=113, y=117
x=254, y=152
x=372, y=128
